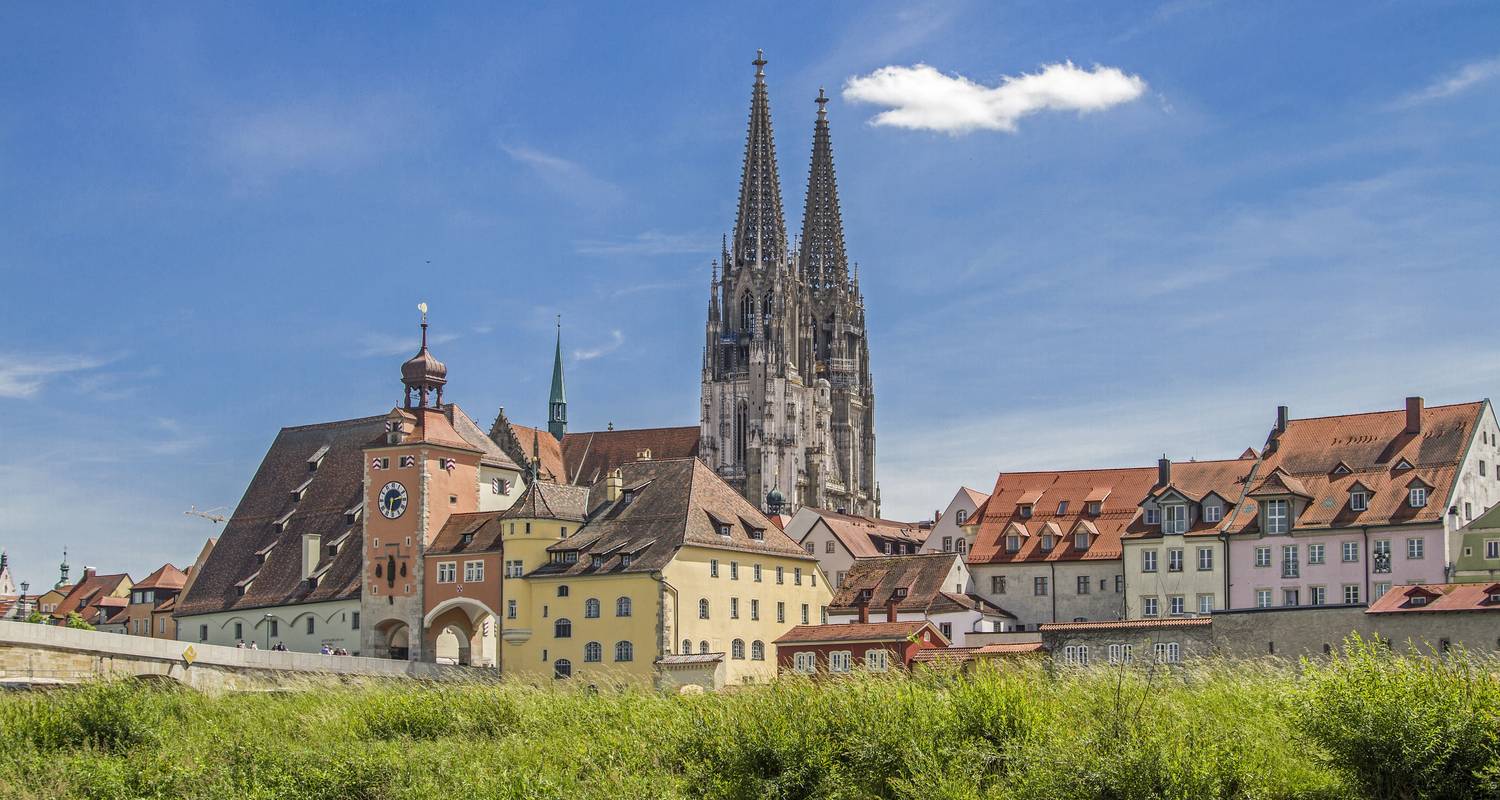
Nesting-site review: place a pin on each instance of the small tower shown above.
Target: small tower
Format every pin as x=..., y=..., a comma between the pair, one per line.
x=557, y=402
x=62, y=570
x=424, y=375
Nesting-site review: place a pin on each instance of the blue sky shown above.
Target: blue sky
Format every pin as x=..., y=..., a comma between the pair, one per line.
x=217, y=220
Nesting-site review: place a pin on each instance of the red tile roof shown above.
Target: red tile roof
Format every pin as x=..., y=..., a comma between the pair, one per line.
x=545, y=447
x=1117, y=513
x=1125, y=624
x=963, y=655
x=165, y=577
x=864, y=537
x=1440, y=597
x=1198, y=480
x=86, y=591
x=857, y=632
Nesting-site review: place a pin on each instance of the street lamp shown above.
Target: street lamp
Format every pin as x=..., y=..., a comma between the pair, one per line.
x=21, y=602
x=267, y=619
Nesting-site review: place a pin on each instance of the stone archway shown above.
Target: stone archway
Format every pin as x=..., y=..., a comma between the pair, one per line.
x=456, y=629
x=393, y=640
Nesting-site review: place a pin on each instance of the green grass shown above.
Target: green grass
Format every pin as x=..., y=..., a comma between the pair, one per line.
x=1367, y=724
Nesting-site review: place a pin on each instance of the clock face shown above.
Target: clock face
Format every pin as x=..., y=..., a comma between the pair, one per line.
x=392, y=500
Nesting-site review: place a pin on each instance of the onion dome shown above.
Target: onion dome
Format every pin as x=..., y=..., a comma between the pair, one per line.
x=775, y=500
x=423, y=373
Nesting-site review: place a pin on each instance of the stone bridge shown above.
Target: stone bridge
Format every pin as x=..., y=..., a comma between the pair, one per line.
x=36, y=655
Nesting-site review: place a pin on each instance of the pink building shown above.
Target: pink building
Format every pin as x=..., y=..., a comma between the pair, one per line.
x=1343, y=508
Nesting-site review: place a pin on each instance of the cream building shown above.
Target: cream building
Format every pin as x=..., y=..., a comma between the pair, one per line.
x=949, y=533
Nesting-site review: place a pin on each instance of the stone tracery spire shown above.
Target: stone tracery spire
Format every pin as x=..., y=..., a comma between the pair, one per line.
x=822, y=257
x=760, y=228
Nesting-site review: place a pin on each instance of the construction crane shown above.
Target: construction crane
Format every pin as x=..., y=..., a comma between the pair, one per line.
x=209, y=515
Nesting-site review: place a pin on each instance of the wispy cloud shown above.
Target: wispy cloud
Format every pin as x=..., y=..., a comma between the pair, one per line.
x=922, y=98
x=1466, y=78
x=261, y=144
x=616, y=340
x=381, y=344
x=568, y=179
x=23, y=376
x=650, y=243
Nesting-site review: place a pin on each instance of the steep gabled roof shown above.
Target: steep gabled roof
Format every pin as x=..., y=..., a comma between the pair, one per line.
x=165, y=577
x=1120, y=488
x=869, y=537
x=550, y=501
x=1440, y=597
x=483, y=528
x=590, y=455
x=922, y=577
x=860, y=632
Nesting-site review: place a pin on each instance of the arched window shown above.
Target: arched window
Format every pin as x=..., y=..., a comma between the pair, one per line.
x=624, y=651
x=562, y=590
x=593, y=652
x=703, y=608
x=563, y=628
x=747, y=313
x=622, y=607
x=591, y=608
x=687, y=646
x=562, y=668
x=741, y=432
x=737, y=649
x=703, y=646
x=962, y=545
x=757, y=650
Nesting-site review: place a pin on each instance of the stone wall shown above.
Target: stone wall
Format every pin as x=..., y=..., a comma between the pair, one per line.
x=1316, y=630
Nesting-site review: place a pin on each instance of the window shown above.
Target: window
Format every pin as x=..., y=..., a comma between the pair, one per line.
x=1148, y=561
x=724, y=530
x=963, y=514
x=1176, y=519
x=805, y=663
x=1177, y=605
x=239, y=630
x=1092, y=507
x=1351, y=551
x=1205, y=604
x=1278, y=516
x=1262, y=598
x=593, y=652
x=703, y=608
x=1168, y=652
x=1119, y=584
x=473, y=571
x=1316, y=553
x=624, y=651
x=510, y=609
x=828, y=548
x=1081, y=540
x=1025, y=511
x=1416, y=548
x=737, y=649
x=1083, y=584
x=1381, y=588
x=1120, y=653
x=797, y=575
x=591, y=609
x=1213, y=512
x=1048, y=542
x=713, y=568
x=1205, y=559
x=757, y=650
x=1153, y=516
x=810, y=547
x=780, y=611
x=1148, y=607
x=756, y=571
x=562, y=628
x=1481, y=468
x=1039, y=586
x=562, y=590
x=804, y=613
x=754, y=609
x=622, y=606
x=1418, y=496
x=947, y=544
x=947, y=630
x=962, y=545
x=562, y=668
x=447, y=571
x=840, y=661
x=513, y=569
x=1174, y=559
x=703, y=646
x=1468, y=510
x=1291, y=597
x=1491, y=549
x=1359, y=501
x=1351, y=593
x=877, y=660
x=780, y=575
x=1076, y=654
x=1290, y=567
x=734, y=608
x=1318, y=595
x=1013, y=543
x=202, y=633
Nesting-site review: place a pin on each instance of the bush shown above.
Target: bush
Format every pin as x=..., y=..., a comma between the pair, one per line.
x=113, y=717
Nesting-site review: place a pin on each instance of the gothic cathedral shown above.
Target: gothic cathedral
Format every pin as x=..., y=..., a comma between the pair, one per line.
x=788, y=413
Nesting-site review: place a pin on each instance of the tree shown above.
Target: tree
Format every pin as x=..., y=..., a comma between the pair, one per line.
x=38, y=618
x=76, y=621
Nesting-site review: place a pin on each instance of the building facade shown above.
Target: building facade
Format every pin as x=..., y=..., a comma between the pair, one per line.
x=855, y=647
x=935, y=587
x=788, y=406
x=840, y=540
x=950, y=533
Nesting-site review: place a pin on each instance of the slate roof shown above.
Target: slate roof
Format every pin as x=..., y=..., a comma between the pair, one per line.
x=858, y=632
x=864, y=537
x=483, y=526
x=543, y=500
x=666, y=505
x=475, y=436
x=336, y=488
x=924, y=577
x=1439, y=597
x=1302, y=460
x=590, y=455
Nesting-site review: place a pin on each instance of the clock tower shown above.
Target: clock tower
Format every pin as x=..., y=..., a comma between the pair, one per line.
x=417, y=474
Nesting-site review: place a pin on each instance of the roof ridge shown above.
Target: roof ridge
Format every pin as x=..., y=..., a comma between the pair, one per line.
x=334, y=423
x=1385, y=411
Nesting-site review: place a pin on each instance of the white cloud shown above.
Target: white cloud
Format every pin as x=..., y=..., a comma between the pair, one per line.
x=1467, y=77
x=922, y=98
x=382, y=344
x=263, y=143
x=23, y=376
x=650, y=243
x=567, y=178
x=616, y=339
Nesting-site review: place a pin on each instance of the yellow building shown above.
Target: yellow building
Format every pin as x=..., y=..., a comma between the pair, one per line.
x=673, y=578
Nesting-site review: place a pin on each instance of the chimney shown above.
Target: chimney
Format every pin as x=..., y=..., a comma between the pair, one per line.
x=311, y=544
x=1282, y=415
x=614, y=484
x=864, y=608
x=1414, y=415
x=890, y=608
x=88, y=572
x=1163, y=470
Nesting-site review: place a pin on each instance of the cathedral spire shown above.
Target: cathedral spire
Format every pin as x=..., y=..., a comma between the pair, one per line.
x=557, y=402
x=822, y=253
x=759, y=229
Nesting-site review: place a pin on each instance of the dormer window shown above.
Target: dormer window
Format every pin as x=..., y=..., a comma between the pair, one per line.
x=724, y=529
x=1013, y=543
x=1417, y=496
x=317, y=459
x=625, y=560
x=466, y=539
x=1278, y=516
x=1176, y=519
x=1062, y=508
x=1212, y=512
x=1359, y=501
x=570, y=557
x=900, y=593
x=758, y=534
x=1024, y=511
x=596, y=562
x=1403, y=464
x=1417, y=600
x=1047, y=542
x=1081, y=540
x=1092, y=508
x=1153, y=516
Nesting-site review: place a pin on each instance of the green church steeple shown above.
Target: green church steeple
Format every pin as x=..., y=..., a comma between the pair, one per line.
x=557, y=403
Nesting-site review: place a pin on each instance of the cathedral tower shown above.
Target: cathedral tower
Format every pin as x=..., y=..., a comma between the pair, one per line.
x=788, y=406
